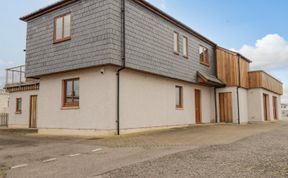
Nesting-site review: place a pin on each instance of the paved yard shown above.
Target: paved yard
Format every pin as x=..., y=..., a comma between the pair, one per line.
x=254, y=150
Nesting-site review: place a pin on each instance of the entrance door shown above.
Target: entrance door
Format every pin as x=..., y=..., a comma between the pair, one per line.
x=33, y=111
x=266, y=106
x=225, y=104
x=275, y=108
x=198, y=108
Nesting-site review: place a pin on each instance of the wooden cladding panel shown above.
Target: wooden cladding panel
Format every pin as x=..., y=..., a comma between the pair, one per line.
x=260, y=79
x=244, y=73
x=227, y=67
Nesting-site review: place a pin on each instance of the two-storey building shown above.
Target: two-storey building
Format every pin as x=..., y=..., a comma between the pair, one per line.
x=117, y=66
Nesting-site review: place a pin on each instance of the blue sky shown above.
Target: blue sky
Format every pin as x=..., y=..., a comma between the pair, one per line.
x=256, y=28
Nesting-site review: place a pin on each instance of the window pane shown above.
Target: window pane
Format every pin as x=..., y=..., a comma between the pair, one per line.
x=69, y=89
x=185, y=51
x=176, y=42
x=67, y=23
x=59, y=25
x=76, y=89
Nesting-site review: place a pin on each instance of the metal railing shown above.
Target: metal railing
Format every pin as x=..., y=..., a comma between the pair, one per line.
x=15, y=75
x=4, y=119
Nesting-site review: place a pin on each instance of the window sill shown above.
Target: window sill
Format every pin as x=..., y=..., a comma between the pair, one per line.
x=19, y=112
x=179, y=108
x=186, y=57
x=205, y=64
x=60, y=41
x=70, y=108
x=176, y=53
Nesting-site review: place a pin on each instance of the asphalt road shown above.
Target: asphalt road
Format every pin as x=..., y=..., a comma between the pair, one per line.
x=216, y=151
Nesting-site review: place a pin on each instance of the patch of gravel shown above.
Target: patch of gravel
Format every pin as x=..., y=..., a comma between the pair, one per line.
x=264, y=155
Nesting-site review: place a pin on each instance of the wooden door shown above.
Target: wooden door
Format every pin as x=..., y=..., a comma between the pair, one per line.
x=33, y=111
x=225, y=105
x=198, y=109
x=275, y=108
x=266, y=106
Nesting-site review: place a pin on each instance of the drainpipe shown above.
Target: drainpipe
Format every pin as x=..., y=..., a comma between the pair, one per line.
x=123, y=58
x=239, y=83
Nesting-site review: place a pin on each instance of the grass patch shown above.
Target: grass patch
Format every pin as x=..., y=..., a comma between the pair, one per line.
x=2, y=174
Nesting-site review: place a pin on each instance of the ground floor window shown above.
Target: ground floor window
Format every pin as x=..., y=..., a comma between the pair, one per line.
x=71, y=93
x=179, y=97
x=18, y=105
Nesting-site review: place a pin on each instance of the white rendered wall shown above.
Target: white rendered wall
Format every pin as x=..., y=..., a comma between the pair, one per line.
x=243, y=103
x=145, y=101
x=4, y=100
x=97, y=109
x=256, y=106
x=20, y=120
x=149, y=101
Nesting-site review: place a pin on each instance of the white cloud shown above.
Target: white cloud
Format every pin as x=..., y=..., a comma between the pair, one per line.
x=269, y=53
x=160, y=3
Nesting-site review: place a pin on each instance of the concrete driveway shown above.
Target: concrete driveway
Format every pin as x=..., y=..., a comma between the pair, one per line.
x=149, y=154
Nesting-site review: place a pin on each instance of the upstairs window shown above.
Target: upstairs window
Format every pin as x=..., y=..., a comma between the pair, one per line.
x=176, y=42
x=204, y=55
x=71, y=93
x=62, y=28
x=185, y=47
x=18, y=105
x=179, y=97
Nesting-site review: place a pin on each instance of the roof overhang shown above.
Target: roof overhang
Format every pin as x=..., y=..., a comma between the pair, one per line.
x=209, y=80
x=47, y=9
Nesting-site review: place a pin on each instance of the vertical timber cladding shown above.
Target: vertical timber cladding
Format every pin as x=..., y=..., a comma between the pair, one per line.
x=225, y=107
x=266, y=106
x=228, y=65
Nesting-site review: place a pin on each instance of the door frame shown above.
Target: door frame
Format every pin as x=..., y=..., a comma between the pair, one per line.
x=275, y=108
x=266, y=109
x=198, y=91
x=30, y=112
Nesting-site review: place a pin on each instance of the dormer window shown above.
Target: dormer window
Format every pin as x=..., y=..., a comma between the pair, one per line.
x=204, y=55
x=62, y=28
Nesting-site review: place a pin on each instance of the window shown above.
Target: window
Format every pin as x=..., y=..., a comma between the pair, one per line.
x=185, y=46
x=71, y=93
x=176, y=42
x=204, y=55
x=62, y=28
x=18, y=105
x=179, y=97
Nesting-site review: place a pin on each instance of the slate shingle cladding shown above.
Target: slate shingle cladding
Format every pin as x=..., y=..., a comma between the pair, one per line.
x=96, y=40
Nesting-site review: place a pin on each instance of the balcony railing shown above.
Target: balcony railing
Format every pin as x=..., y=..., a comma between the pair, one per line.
x=15, y=75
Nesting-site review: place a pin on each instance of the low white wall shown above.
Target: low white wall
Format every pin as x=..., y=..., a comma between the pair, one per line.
x=20, y=120
x=243, y=103
x=149, y=101
x=256, y=105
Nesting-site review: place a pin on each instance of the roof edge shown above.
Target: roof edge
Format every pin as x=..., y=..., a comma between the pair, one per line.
x=263, y=71
x=46, y=10
x=235, y=53
x=171, y=19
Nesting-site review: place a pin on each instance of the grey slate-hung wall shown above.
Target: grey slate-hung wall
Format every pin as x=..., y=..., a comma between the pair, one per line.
x=96, y=40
